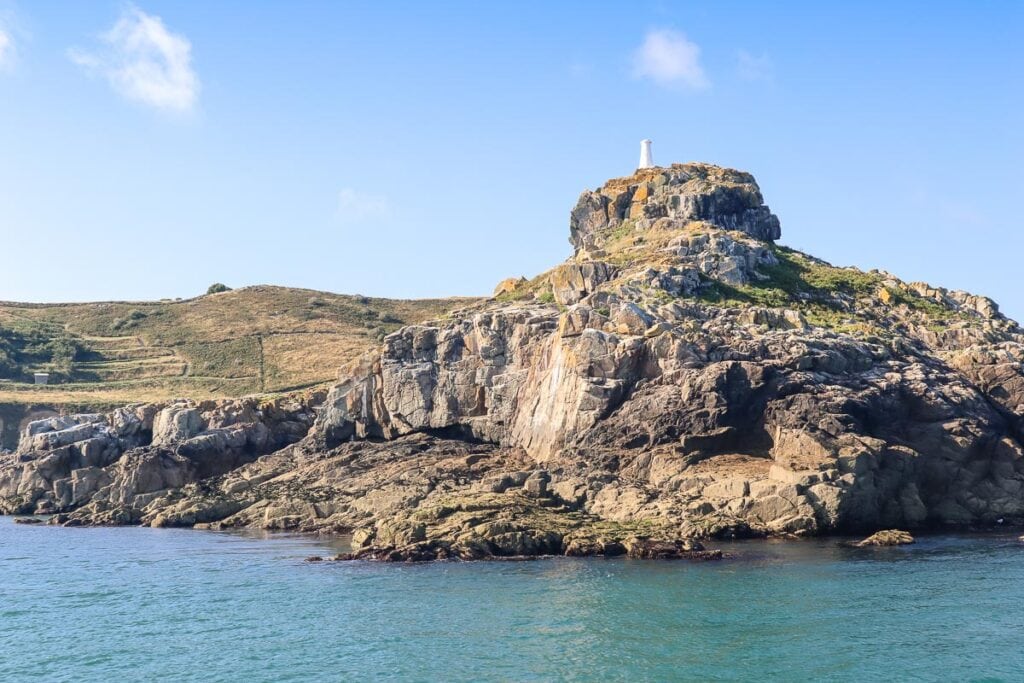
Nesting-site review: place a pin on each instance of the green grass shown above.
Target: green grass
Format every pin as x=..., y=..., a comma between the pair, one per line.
x=796, y=273
x=929, y=307
x=626, y=227
x=814, y=288
x=732, y=296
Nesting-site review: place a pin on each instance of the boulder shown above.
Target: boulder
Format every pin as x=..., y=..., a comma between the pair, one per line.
x=509, y=285
x=176, y=422
x=573, y=281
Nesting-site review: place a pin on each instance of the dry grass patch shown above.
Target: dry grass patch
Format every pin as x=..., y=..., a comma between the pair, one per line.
x=226, y=344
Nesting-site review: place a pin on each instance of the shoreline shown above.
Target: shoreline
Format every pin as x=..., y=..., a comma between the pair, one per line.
x=724, y=550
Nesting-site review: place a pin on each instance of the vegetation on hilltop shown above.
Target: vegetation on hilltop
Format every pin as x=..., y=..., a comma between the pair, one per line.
x=819, y=289
x=832, y=297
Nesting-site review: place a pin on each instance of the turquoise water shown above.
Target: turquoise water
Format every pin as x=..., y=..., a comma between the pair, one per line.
x=179, y=605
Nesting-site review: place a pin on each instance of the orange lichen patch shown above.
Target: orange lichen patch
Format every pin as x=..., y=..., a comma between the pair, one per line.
x=509, y=285
x=701, y=172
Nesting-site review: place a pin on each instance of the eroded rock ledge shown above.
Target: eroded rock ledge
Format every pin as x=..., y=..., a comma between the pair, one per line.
x=680, y=377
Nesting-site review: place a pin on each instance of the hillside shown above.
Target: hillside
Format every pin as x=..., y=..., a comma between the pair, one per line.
x=259, y=339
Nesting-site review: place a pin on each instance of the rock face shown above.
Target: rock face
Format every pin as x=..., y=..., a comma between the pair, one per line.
x=682, y=193
x=680, y=377
x=107, y=467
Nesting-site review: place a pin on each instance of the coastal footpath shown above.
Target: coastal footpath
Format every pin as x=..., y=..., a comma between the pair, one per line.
x=680, y=377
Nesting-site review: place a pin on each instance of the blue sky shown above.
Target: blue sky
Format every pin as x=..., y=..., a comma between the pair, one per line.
x=411, y=150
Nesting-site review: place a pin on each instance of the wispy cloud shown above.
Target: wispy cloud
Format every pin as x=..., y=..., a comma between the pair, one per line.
x=6, y=50
x=752, y=68
x=580, y=69
x=669, y=59
x=356, y=207
x=144, y=62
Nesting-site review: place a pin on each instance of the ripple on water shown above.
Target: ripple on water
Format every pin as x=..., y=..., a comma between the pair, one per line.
x=149, y=604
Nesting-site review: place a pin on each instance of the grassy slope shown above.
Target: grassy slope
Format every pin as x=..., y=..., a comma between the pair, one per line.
x=253, y=340
x=841, y=299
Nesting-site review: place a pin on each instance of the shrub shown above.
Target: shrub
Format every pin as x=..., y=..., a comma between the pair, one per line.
x=217, y=288
x=9, y=368
x=63, y=354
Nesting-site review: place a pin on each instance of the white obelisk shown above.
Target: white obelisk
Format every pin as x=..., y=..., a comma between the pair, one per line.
x=646, y=161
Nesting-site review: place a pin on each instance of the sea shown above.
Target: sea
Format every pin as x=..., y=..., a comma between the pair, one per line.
x=140, y=604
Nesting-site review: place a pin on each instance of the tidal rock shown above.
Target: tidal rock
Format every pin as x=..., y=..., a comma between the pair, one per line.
x=28, y=520
x=648, y=549
x=886, y=537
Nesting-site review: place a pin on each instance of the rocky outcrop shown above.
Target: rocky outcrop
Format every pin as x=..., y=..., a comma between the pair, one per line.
x=680, y=377
x=791, y=431
x=573, y=281
x=728, y=199
x=509, y=285
x=107, y=465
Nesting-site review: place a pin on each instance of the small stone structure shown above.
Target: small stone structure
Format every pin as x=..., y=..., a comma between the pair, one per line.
x=646, y=160
x=41, y=377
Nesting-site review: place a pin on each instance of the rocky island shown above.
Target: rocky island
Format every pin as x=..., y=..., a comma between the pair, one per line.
x=680, y=377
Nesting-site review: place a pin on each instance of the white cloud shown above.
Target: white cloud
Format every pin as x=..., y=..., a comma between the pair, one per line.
x=355, y=207
x=669, y=59
x=751, y=68
x=145, y=62
x=6, y=50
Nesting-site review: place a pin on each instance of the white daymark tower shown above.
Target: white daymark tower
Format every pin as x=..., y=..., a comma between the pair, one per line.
x=646, y=161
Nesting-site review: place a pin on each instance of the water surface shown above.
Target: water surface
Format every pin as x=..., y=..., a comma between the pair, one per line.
x=168, y=604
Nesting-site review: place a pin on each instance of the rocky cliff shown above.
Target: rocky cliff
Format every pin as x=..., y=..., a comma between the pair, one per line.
x=681, y=376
